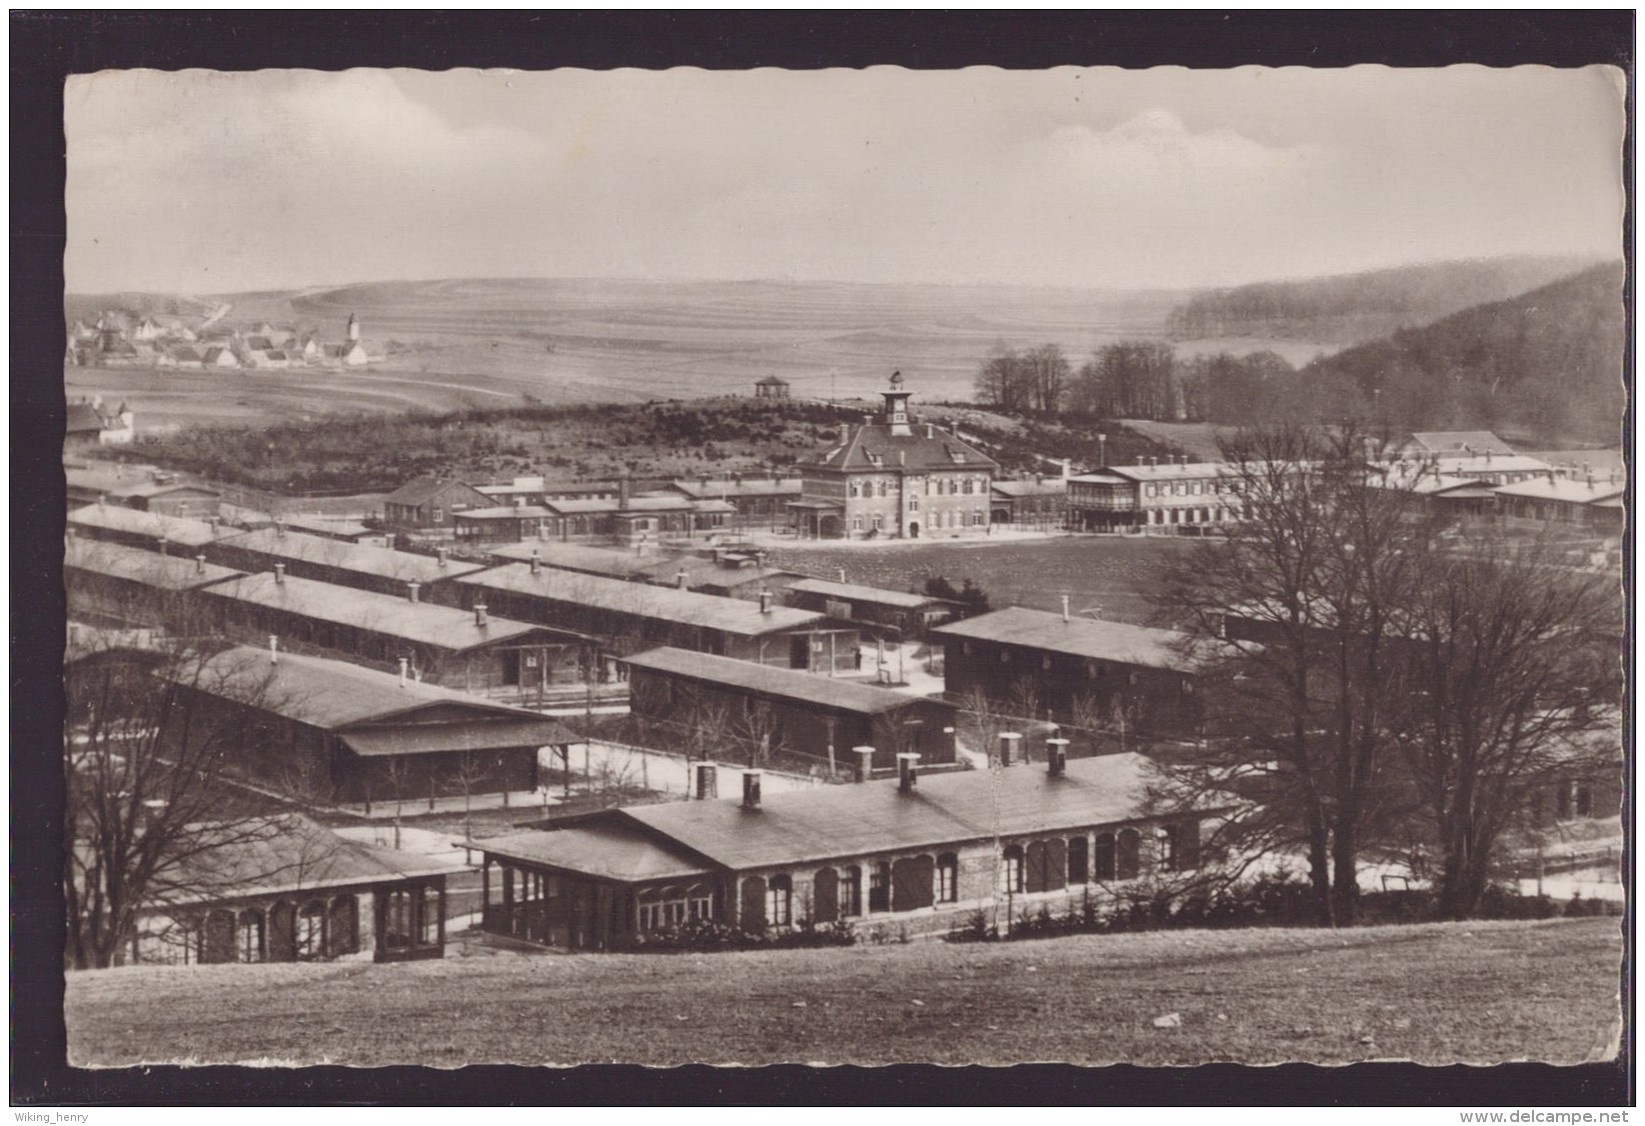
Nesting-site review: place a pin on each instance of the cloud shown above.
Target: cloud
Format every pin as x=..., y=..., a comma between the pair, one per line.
x=1155, y=149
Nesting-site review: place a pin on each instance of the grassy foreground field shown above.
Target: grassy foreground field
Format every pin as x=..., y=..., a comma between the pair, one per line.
x=1438, y=993
x=1107, y=571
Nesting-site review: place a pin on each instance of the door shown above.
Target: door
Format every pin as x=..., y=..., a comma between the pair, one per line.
x=799, y=651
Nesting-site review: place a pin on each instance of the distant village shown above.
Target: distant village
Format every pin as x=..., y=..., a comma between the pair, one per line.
x=661, y=727
x=122, y=338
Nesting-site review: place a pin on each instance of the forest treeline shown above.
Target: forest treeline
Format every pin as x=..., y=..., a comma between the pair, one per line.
x=1353, y=308
x=1545, y=366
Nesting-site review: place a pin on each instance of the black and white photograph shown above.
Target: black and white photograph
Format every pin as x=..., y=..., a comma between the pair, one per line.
x=873, y=566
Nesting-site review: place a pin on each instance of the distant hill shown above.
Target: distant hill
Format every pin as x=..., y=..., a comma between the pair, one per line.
x=88, y=307
x=1352, y=308
x=1545, y=366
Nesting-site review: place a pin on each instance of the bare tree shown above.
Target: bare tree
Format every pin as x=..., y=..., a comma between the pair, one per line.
x=470, y=771
x=986, y=719
x=1507, y=657
x=1319, y=568
x=397, y=771
x=758, y=728
x=145, y=764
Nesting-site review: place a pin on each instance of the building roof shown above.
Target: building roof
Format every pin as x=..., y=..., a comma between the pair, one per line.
x=437, y=738
x=724, y=489
x=919, y=447
x=704, y=572
x=504, y=512
x=1457, y=441
x=175, y=529
x=1170, y=471
x=772, y=381
x=1569, y=490
x=611, y=849
x=1119, y=642
x=787, y=684
x=868, y=595
x=283, y=854
x=1417, y=478
x=334, y=527
x=83, y=418
x=1047, y=486
x=319, y=692
x=424, y=623
x=166, y=572
x=363, y=558
x=421, y=490
x=665, y=502
x=684, y=607
x=1470, y=466
x=608, y=561
x=873, y=817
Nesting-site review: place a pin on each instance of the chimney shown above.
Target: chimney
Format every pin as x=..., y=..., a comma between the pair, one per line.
x=279, y=530
x=480, y=615
x=907, y=770
x=622, y=490
x=751, y=789
x=216, y=525
x=102, y=500
x=1039, y=478
x=1067, y=464
x=535, y=563
x=1065, y=607
x=1056, y=756
x=842, y=574
x=680, y=578
x=279, y=574
x=273, y=649
x=1102, y=454
x=865, y=762
x=708, y=781
x=165, y=545
x=1010, y=741
x=440, y=555
x=404, y=663
x=930, y=430
x=765, y=602
x=412, y=588
x=902, y=457
x=200, y=564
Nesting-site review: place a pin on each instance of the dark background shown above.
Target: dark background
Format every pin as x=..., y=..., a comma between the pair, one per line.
x=46, y=47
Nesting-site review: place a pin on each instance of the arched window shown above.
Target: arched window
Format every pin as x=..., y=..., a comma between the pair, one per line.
x=948, y=878
x=1104, y=859
x=217, y=938
x=1015, y=877
x=1129, y=860
x=779, y=902
x=879, y=887
x=249, y=945
x=851, y=892
x=1079, y=866
x=825, y=895
x=311, y=931
x=343, y=926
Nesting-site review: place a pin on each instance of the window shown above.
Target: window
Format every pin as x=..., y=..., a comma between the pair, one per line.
x=966, y=488
x=311, y=931
x=851, y=891
x=1104, y=859
x=913, y=504
x=856, y=523
x=1014, y=874
x=853, y=488
x=879, y=888
x=1129, y=860
x=1153, y=491
x=431, y=917
x=1584, y=800
x=1079, y=867
x=879, y=522
x=779, y=902
x=948, y=878
x=439, y=516
x=882, y=488
x=1562, y=801
x=250, y=936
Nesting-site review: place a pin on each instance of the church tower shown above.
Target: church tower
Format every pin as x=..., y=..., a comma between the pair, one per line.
x=896, y=406
x=353, y=327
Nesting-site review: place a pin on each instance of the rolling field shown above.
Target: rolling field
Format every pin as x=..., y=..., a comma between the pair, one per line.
x=1107, y=571
x=464, y=343
x=1435, y=993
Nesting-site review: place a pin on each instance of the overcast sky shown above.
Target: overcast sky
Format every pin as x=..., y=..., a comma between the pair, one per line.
x=202, y=182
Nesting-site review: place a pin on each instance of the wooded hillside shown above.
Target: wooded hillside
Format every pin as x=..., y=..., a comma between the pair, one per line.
x=1356, y=307
x=1545, y=366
